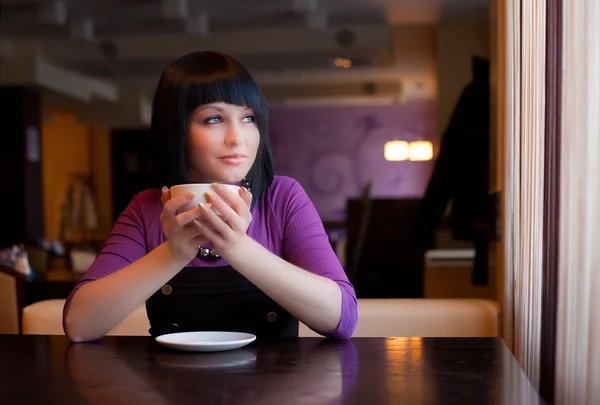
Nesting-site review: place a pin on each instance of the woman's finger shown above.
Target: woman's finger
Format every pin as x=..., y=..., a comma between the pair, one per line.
x=226, y=213
x=188, y=217
x=189, y=232
x=212, y=221
x=234, y=200
x=165, y=195
x=207, y=234
x=246, y=196
x=173, y=204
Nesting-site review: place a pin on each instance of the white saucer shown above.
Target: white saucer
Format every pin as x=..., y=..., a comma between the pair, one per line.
x=206, y=341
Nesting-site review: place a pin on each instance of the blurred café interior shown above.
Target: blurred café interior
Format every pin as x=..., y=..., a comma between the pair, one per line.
x=394, y=116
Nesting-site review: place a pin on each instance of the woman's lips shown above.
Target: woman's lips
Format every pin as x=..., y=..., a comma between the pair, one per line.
x=235, y=159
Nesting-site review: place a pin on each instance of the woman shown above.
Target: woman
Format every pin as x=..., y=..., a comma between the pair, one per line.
x=259, y=267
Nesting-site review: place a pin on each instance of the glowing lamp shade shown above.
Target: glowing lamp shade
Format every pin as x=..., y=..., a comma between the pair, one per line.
x=395, y=151
x=342, y=63
x=420, y=151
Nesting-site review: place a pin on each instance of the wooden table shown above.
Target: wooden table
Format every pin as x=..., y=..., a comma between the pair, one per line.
x=135, y=370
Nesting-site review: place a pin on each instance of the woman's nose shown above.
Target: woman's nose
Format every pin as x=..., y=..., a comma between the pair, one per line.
x=234, y=136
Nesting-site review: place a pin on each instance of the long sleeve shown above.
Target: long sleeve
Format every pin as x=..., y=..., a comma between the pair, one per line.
x=305, y=244
x=125, y=244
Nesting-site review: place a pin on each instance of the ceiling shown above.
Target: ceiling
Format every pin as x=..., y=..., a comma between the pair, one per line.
x=127, y=43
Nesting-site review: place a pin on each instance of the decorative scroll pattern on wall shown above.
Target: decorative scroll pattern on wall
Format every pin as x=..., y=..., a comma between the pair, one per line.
x=335, y=151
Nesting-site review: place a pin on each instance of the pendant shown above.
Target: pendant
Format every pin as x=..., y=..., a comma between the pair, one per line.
x=206, y=253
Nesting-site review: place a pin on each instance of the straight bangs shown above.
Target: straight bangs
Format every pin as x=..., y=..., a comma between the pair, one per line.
x=230, y=87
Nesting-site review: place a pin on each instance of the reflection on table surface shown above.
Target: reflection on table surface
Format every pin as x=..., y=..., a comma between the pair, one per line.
x=295, y=373
x=120, y=370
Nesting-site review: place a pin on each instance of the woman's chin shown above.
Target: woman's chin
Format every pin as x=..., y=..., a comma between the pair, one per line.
x=222, y=176
x=230, y=179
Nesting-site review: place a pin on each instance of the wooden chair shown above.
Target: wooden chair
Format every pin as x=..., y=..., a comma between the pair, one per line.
x=11, y=300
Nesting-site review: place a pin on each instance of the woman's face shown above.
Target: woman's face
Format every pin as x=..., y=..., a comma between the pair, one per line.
x=223, y=141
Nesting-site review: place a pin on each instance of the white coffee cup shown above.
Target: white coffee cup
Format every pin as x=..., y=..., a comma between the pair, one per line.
x=200, y=189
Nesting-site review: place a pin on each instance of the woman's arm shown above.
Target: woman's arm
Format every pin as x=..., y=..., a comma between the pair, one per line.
x=100, y=305
x=113, y=291
x=314, y=300
x=308, y=281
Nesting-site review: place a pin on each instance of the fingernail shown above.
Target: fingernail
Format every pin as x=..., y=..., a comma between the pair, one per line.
x=205, y=206
x=217, y=186
x=190, y=195
x=208, y=195
x=198, y=224
x=246, y=190
x=165, y=188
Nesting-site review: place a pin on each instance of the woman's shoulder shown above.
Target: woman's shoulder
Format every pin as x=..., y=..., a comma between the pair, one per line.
x=148, y=199
x=144, y=205
x=284, y=186
x=283, y=189
x=285, y=193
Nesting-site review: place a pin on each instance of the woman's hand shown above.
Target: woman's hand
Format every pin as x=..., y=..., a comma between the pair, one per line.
x=228, y=229
x=183, y=232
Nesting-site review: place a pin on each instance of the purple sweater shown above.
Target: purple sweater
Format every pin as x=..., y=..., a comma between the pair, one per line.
x=285, y=222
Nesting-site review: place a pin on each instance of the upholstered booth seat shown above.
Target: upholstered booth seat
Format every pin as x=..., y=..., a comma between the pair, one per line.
x=424, y=318
x=377, y=318
x=45, y=318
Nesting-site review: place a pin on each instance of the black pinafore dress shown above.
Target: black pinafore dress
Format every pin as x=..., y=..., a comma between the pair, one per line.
x=217, y=299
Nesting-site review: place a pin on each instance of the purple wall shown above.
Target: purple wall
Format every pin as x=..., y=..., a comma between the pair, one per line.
x=334, y=151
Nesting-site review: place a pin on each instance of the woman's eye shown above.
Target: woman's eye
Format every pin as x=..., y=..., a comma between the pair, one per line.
x=213, y=120
x=249, y=118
